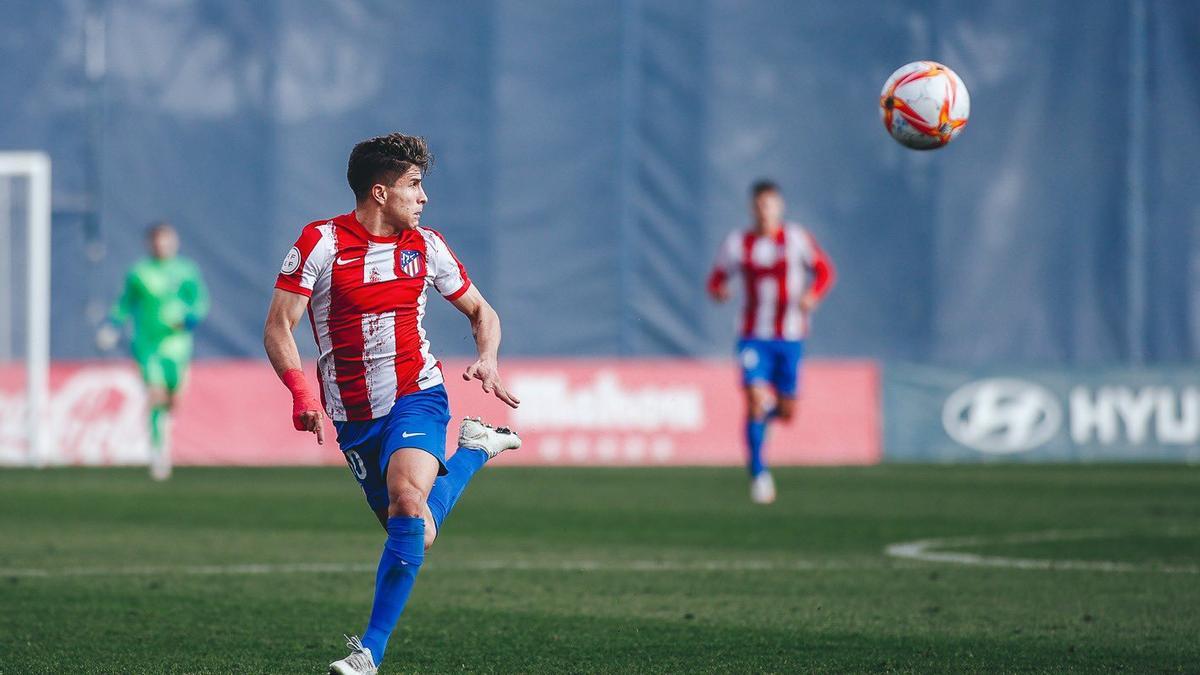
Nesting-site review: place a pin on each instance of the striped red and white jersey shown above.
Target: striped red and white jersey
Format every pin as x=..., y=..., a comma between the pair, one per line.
x=777, y=270
x=367, y=299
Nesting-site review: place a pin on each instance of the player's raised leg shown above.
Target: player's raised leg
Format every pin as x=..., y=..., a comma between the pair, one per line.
x=478, y=442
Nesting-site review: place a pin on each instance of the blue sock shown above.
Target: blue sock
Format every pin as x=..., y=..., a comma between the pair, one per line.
x=402, y=556
x=447, y=489
x=756, y=433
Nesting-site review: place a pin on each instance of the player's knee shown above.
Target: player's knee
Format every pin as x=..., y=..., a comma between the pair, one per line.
x=785, y=410
x=430, y=526
x=407, y=502
x=756, y=404
x=156, y=396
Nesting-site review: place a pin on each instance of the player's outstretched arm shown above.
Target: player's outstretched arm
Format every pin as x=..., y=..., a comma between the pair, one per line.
x=823, y=275
x=485, y=325
x=718, y=287
x=726, y=260
x=285, y=312
x=109, y=333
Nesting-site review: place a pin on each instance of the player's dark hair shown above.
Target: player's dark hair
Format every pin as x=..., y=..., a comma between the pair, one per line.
x=763, y=185
x=383, y=159
x=158, y=226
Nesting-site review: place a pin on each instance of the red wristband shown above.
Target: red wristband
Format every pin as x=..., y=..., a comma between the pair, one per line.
x=302, y=399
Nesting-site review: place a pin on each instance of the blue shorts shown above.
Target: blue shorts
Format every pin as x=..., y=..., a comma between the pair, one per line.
x=417, y=420
x=773, y=362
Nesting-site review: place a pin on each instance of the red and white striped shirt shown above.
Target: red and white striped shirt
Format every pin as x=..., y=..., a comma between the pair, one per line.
x=777, y=270
x=367, y=299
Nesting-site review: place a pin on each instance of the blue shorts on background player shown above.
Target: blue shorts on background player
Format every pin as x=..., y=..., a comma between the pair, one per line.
x=775, y=363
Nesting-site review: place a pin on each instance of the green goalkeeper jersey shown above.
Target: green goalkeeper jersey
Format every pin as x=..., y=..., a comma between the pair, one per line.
x=165, y=299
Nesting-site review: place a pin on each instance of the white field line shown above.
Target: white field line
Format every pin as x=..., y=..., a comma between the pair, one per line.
x=932, y=550
x=481, y=565
x=925, y=550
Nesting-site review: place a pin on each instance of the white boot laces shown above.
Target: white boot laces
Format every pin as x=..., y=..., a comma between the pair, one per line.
x=359, y=657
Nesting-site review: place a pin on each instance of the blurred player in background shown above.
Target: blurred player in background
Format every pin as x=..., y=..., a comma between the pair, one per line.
x=785, y=275
x=362, y=278
x=165, y=298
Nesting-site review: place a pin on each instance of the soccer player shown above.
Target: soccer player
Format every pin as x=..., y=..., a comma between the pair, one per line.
x=785, y=275
x=362, y=277
x=165, y=298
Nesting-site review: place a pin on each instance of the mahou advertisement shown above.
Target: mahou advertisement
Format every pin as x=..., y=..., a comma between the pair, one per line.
x=573, y=412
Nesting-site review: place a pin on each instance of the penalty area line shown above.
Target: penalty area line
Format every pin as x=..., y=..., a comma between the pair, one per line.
x=935, y=551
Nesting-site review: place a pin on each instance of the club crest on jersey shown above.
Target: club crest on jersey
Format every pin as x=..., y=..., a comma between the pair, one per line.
x=411, y=263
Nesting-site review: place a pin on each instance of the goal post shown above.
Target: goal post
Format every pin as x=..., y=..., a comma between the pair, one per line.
x=32, y=169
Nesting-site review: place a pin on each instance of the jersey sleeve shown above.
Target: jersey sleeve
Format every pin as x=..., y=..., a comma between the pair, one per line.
x=195, y=294
x=449, y=276
x=123, y=308
x=821, y=266
x=724, y=265
x=307, y=260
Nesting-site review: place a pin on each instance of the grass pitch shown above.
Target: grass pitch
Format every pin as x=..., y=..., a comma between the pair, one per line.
x=557, y=570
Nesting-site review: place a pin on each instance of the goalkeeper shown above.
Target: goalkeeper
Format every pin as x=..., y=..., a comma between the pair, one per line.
x=165, y=298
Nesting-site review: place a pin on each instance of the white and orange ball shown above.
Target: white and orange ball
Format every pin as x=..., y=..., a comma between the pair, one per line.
x=925, y=105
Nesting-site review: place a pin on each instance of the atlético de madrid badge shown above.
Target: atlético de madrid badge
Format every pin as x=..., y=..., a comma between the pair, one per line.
x=411, y=264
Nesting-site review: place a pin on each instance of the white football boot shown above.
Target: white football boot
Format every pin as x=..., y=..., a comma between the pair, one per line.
x=762, y=488
x=360, y=661
x=479, y=435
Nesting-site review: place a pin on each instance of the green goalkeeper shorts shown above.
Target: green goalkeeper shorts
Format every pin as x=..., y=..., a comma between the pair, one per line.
x=164, y=365
x=163, y=371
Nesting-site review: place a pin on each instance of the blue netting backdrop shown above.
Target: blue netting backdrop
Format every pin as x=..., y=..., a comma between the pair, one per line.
x=592, y=153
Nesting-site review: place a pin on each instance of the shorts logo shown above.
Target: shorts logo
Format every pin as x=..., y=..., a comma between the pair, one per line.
x=356, y=464
x=749, y=357
x=291, y=262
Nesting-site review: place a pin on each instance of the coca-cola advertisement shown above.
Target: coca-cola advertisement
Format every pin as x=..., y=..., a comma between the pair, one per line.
x=96, y=415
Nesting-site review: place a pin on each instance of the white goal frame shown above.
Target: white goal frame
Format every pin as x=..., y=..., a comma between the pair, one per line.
x=35, y=166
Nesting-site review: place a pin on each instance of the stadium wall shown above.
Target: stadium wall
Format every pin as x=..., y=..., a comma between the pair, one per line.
x=592, y=154
x=652, y=412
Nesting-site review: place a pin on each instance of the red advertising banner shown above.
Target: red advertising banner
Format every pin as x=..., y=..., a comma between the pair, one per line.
x=599, y=412
x=96, y=415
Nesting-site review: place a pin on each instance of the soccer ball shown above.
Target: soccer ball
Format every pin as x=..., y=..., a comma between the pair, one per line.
x=924, y=105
